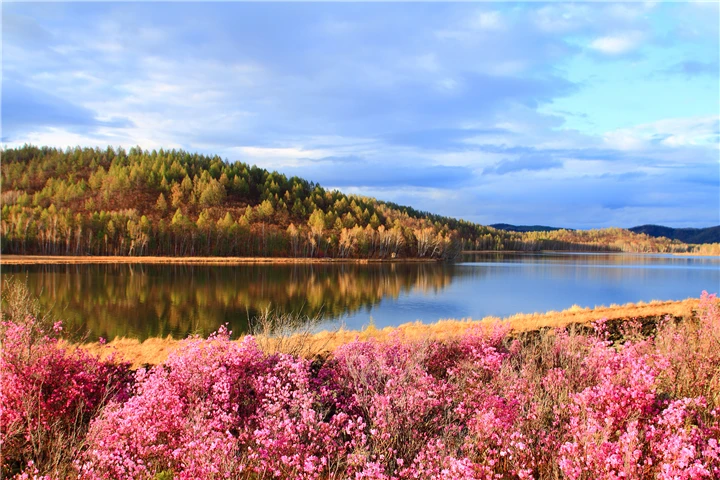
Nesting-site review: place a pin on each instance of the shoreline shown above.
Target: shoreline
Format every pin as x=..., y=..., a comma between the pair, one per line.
x=155, y=350
x=160, y=260
x=82, y=259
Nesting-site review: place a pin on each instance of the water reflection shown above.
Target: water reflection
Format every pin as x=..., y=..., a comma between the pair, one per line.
x=157, y=300
x=150, y=300
x=606, y=260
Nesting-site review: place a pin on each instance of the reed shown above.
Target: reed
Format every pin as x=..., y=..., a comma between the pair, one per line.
x=293, y=336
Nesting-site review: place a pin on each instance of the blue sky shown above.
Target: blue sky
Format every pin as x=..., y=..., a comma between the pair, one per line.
x=570, y=114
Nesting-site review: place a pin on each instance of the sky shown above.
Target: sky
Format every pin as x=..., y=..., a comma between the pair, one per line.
x=580, y=115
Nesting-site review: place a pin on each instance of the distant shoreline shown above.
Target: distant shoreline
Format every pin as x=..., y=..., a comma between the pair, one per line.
x=680, y=254
x=78, y=260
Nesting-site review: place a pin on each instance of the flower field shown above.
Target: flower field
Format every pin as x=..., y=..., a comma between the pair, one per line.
x=574, y=403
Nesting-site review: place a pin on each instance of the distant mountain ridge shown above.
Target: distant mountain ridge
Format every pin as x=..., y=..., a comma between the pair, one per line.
x=685, y=235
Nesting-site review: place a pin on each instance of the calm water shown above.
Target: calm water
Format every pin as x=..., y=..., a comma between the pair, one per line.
x=150, y=300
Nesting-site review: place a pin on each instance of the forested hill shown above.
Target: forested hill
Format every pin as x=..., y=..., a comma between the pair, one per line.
x=687, y=235
x=172, y=202
x=524, y=228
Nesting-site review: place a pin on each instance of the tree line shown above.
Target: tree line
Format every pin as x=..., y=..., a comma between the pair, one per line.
x=92, y=201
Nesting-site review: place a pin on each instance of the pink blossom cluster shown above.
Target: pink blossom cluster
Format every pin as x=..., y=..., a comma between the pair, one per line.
x=489, y=405
x=47, y=394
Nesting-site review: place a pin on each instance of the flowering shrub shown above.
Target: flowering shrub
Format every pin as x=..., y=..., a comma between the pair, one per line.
x=188, y=409
x=48, y=396
x=607, y=420
x=489, y=405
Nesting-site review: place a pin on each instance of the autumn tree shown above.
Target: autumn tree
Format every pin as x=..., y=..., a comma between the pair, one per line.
x=161, y=204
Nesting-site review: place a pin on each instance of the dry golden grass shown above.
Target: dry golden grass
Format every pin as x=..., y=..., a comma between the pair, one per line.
x=76, y=260
x=156, y=350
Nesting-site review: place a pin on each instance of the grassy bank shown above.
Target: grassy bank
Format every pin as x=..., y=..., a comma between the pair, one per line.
x=154, y=351
x=81, y=259
x=86, y=259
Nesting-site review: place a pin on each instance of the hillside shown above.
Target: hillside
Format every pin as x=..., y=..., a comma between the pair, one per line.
x=524, y=228
x=686, y=235
x=171, y=202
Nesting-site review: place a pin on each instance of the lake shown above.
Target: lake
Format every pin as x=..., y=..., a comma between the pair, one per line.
x=157, y=300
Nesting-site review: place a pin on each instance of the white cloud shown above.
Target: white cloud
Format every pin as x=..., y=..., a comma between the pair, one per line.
x=624, y=140
x=269, y=157
x=475, y=27
x=448, y=84
x=617, y=44
x=672, y=132
x=126, y=138
x=487, y=21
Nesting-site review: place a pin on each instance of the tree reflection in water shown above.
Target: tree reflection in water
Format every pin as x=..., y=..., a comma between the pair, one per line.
x=144, y=301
